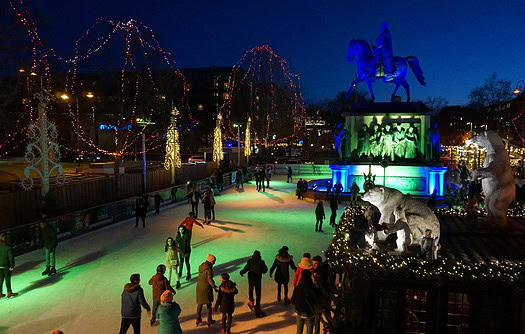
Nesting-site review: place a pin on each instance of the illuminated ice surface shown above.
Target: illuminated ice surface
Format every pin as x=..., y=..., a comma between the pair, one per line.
x=84, y=297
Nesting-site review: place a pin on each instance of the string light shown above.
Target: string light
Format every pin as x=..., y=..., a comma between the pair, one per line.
x=375, y=264
x=217, y=142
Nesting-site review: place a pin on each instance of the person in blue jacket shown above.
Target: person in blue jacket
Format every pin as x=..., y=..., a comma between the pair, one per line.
x=132, y=299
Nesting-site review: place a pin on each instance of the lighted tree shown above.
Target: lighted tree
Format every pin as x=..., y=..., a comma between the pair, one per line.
x=275, y=104
x=217, y=142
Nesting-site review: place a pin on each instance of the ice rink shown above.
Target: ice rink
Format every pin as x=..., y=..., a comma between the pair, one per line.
x=84, y=297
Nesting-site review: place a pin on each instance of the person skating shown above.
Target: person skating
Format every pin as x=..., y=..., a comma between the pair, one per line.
x=194, y=195
x=354, y=189
x=168, y=314
x=173, y=256
x=306, y=300
x=319, y=216
x=289, y=177
x=158, y=199
x=206, y=203
x=334, y=205
x=189, y=221
x=220, y=179
x=305, y=264
x=183, y=240
x=321, y=279
x=48, y=240
x=226, y=302
x=212, y=207
x=255, y=267
x=239, y=181
x=282, y=263
x=205, y=287
x=131, y=300
x=7, y=264
x=159, y=284
x=140, y=211
x=268, y=175
x=299, y=189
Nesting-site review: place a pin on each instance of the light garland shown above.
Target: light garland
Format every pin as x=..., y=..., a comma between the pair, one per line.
x=247, y=144
x=376, y=264
x=217, y=141
x=266, y=74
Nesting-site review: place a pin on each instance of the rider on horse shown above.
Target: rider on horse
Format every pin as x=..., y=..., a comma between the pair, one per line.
x=383, y=53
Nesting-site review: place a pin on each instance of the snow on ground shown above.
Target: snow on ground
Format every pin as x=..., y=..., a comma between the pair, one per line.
x=84, y=297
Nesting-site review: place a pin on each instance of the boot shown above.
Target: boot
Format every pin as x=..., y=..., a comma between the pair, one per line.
x=48, y=269
x=2, y=295
x=177, y=286
x=10, y=294
x=250, y=304
x=52, y=272
x=211, y=322
x=198, y=321
x=286, y=301
x=188, y=277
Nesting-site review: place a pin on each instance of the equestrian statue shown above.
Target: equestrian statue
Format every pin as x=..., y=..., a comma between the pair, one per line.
x=381, y=64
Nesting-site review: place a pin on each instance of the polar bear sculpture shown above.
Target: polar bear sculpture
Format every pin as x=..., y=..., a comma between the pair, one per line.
x=399, y=211
x=496, y=177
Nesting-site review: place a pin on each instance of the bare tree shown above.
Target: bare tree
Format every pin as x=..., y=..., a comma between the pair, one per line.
x=494, y=90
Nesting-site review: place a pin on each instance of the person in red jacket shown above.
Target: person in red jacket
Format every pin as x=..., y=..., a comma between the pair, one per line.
x=189, y=221
x=305, y=264
x=159, y=284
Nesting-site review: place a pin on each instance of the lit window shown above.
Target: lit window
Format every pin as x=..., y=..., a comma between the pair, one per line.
x=226, y=85
x=216, y=94
x=200, y=107
x=416, y=313
x=225, y=96
x=188, y=87
x=458, y=312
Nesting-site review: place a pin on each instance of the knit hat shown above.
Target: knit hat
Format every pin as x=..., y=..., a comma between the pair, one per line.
x=210, y=258
x=167, y=296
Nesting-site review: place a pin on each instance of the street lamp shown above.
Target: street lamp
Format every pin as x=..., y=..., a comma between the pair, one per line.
x=238, y=126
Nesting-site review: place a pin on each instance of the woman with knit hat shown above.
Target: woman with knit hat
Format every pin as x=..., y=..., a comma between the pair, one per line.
x=168, y=314
x=282, y=264
x=205, y=287
x=305, y=264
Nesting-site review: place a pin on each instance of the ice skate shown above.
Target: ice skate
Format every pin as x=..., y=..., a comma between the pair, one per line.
x=52, y=272
x=286, y=301
x=11, y=294
x=48, y=269
x=177, y=286
x=211, y=322
x=198, y=321
x=250, y=304
x=2, y=295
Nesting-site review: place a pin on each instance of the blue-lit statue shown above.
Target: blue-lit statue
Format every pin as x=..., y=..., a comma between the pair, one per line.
x=434, y=142
x=342, y=141
x=391, y=69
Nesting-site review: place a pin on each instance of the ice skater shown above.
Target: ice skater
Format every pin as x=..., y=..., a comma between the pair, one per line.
x=306, y=300
x=194, y=195
x=226, y=302
x=334, y=205
x=183, y=240
x=159, y=284
x=7, y=264
x=256, y=267
x=189, y=221
x=319, y=216
x=282, y=263
x=132, y=298
x=354, y=190
x=168, y=314
x=306, y=264
x=205, y=287
x=158, y=199
x=206, y=203
x=289, y=173
x=173, y=254
x=48, y=240
x=268, y=175
x=140, y=211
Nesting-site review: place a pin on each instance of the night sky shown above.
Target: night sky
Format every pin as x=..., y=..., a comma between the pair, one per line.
x=458, y=43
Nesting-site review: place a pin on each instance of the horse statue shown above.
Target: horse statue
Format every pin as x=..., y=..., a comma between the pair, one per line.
x=360, y=51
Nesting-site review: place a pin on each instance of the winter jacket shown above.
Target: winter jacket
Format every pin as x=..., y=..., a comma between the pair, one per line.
x=132, y=298
x=48, y=237
x=188, y=223
x=319, y=212
x=7, y=260
x=160, y=284
x=172, y=257
x=305, y=264
x=140, y=207
x=206, y=202
x=212, y=199
x=255, y=268
x=282, y=263
x=168, y=316
x=205, y=284
x=226, y=298
x=322, y=276
x=194, y=196
x=305, y=297
x=333, y=202
x=184, y=242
